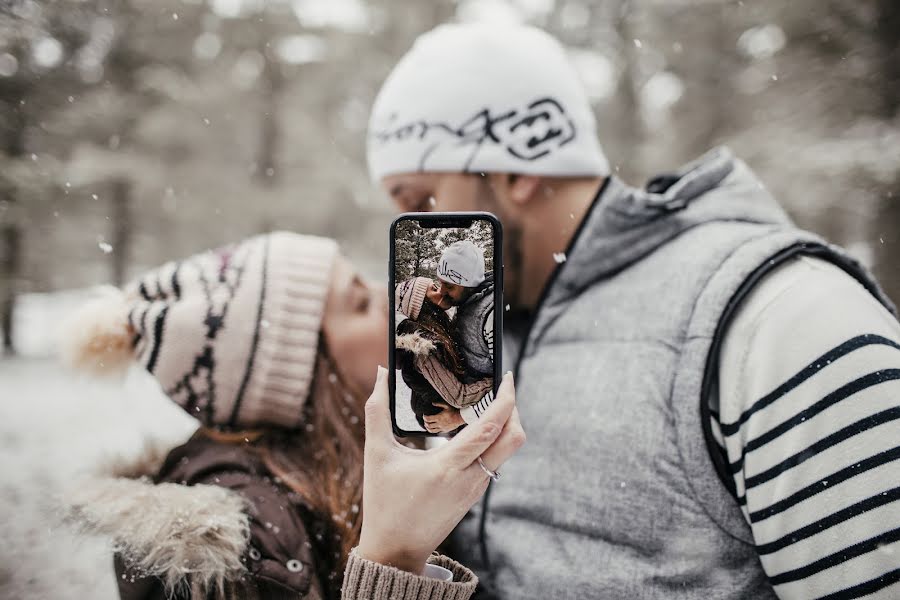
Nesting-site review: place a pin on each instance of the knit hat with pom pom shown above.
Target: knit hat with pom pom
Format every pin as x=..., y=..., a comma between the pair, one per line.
x=230, y=334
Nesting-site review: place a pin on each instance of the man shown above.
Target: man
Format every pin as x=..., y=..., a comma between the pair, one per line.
x=712, y=396
x=465, y=284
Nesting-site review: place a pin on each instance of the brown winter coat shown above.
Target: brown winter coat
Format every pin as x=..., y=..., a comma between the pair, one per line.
x=423, y=364
x=210, y=524
x=211, y=519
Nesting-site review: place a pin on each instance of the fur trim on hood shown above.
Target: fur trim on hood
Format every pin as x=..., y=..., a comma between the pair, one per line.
x=164, y=530
x=416, y=343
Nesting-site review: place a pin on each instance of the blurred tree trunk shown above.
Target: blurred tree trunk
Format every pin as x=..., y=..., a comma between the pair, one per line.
x=443, y=11
x=123, y=226
x=269, y=128
x=272, y=83
x=635, y=132
x=720, y=70
x=888, y=250
x=889, y=37
x=10, y=231
x=419, y=256
x=12, y=243
x=887, y=246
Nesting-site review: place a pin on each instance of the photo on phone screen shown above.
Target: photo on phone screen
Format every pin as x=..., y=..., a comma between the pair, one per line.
x=446, y=331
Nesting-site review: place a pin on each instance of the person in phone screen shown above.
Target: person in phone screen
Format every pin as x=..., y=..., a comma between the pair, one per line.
x=466, y=284
x=429, y=358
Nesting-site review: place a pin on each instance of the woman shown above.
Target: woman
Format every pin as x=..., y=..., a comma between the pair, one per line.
x=428, y=355
x=271, y=344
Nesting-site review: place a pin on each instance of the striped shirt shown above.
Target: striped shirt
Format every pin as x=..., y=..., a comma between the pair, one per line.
x=471, y=413
x=809, y=421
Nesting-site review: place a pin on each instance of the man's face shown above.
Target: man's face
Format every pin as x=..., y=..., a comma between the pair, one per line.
x=437, y=298
x=455, y=294
x=427, y=192
x=455, y=192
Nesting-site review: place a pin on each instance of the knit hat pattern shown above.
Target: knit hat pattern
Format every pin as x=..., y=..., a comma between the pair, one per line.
x=232, y=334
x=470, y=98
x=409, y=296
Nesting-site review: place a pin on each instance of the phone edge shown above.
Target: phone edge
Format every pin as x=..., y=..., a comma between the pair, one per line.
x=497, y=227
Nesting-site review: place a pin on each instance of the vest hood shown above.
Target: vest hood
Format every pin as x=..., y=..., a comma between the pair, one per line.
x=628, y=223
x=625, y=224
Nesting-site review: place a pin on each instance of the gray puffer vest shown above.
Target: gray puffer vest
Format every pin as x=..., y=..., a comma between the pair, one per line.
x=475, y=325
x=615, y=495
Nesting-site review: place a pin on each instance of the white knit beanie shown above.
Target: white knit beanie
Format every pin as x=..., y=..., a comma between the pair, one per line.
x=462, y=263
x=231, y=334
x=484, y=98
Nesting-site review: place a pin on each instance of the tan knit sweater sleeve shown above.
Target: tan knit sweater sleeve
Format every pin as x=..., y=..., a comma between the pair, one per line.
x=367, y=580
x=454, y=392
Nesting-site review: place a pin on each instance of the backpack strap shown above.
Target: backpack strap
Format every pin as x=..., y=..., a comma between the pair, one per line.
x=711, y=371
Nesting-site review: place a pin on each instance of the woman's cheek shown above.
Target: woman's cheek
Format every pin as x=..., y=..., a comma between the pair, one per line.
x=380, y=341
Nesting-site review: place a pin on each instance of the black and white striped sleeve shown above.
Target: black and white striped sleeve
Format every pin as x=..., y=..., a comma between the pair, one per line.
x=472, y=413
x=487, y=331
x=809, y=420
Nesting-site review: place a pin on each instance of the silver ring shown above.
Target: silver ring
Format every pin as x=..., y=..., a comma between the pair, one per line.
x=495, y=475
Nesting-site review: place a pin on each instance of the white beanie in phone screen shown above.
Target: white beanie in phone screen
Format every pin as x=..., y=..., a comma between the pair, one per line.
x=484, y=98
x=462, y=263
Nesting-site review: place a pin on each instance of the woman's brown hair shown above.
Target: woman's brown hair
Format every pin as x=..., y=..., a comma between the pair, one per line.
x=322, y=462
x=441, y=330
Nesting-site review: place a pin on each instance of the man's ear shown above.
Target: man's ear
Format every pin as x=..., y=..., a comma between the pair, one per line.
x=524, y=188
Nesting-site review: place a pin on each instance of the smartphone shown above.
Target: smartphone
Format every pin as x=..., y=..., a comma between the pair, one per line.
x=446, y=279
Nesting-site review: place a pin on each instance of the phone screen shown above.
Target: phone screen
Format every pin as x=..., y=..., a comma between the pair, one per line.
x=446, y=280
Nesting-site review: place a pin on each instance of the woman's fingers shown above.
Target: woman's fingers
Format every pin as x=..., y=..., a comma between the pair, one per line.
x=425, y=503
x=379, y=434
x=471, y=442
x=511, y=439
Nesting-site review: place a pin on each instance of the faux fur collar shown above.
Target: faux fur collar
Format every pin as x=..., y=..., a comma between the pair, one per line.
x=415, y=342
x=164, y=530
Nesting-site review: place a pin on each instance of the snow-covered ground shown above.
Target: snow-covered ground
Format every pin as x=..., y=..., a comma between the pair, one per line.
x=406, y=418
x=54, y=425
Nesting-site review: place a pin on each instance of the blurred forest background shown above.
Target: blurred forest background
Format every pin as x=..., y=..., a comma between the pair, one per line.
x=417, y=250
x=137, y=131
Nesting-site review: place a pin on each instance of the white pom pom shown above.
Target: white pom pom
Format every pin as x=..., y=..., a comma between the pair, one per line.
x=97, y=338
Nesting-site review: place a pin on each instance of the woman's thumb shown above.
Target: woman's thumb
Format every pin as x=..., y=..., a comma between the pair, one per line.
x=378, y=413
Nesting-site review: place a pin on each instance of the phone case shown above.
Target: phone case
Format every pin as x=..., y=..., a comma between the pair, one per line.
x=441, y=220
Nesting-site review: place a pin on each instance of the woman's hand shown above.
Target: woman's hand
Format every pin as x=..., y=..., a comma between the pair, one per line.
x=412, y=499
x=447, y=420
